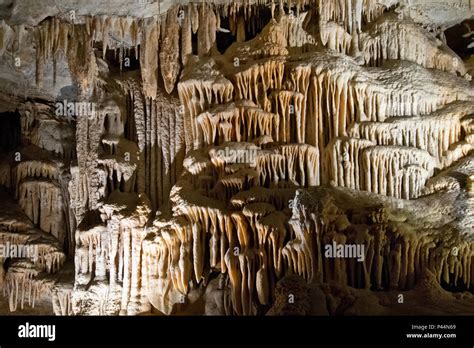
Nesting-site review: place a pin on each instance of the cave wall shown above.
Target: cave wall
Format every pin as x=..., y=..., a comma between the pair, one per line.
x=169, y=172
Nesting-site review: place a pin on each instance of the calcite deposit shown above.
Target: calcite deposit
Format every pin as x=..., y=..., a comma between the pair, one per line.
x=249, y=157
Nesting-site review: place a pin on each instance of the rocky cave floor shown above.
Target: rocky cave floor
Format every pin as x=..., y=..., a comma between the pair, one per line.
x=192, y=158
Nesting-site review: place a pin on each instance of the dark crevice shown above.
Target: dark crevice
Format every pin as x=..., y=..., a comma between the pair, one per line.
x=11, y=131
x=459, y=38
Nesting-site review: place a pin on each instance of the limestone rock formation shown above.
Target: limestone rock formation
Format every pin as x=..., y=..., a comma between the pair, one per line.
x=237, y=157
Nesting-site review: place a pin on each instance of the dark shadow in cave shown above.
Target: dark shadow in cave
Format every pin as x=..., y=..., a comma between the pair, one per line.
x=11, y=131
x=458, y=38
x=130, y=59
x=224, y=38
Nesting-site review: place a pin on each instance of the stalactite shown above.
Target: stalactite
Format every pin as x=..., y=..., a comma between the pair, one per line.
x=149, y=57
x=391, y=38
x=38, y=169
x=417, y=132
x=254, y=82
x=6, y=37
x=186, y=36
x=194, y=13
x=127, y=231
x=342, y=162
x=240, y=121
x=81, y=59
x=20, y=285
x=299, y=114
x=92, y=252
x=62, y=302
x=302, y=164
x=294, y=32
x=198, y=89
x=396, y=171
x=42, y=202
x=207, y=29
x=170, y=272
x=350, y=12
x=334, y=37
x=291, y=107
x=170, y=50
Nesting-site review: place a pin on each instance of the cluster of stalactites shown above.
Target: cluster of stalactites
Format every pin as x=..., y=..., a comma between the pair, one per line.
x=34, y=169
x=389, y=170
x=55, y=37
x=48, y=257
x=445, y=135
x=165, y=40
x=43, y=203
x=123, y=34
x=394, y=38
x=395, y=255
x=47, y=130
x=396, y=171
x=352, y=12
x=21, y=287
x=257, y=245
x=289, y=164
x=159, y=133
x=112, y=250
x=237, y=122
x=336, y=97
x=198, y=94
x=414, y=132
x=245, y=245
